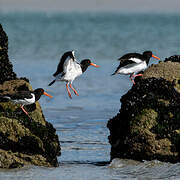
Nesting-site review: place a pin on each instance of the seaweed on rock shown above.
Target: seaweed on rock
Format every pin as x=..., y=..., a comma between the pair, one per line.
x=23, y=141
x=148, y=124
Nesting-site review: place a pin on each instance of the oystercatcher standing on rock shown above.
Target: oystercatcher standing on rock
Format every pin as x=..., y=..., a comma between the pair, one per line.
x=25, y=97
x=133, y=63
x=68, y=69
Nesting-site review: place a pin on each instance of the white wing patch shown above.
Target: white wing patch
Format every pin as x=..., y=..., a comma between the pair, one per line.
x=30, y=101
x=25, y=101
x=136, y=60
x=133, y=68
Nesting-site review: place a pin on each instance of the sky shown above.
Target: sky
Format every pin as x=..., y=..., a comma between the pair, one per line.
x=91, y=5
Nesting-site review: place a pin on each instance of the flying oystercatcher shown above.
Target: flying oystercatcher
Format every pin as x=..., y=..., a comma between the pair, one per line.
x=133, y=63
x=26, y=97
x=68, y=69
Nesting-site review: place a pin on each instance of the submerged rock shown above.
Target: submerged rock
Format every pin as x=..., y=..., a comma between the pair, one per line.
x=148, y=124
x=23, y=140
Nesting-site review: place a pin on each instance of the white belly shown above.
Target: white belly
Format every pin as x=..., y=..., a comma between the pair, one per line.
x=133, y=68
x=73, y=70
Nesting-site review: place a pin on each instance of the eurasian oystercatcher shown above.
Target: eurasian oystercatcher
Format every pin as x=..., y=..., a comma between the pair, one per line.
x=68, y=69
x=25, y=97
x=132, y=63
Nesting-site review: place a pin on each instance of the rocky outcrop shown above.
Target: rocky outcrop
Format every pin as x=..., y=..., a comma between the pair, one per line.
x=6, y=71
x=147, y=126
x=23, y=140
x=169, y=70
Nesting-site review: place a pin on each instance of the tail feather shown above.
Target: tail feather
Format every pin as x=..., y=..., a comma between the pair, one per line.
x=52, y=82
x=113, y=73
x=56, y=73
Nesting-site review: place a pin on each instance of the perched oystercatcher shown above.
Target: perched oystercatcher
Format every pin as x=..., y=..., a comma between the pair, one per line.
x=132, y=63
x=26, y=97
x=68, y=69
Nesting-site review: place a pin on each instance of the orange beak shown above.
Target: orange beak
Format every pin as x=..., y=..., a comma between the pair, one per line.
x=155, y=57
x=95, y=65
x=47, y=94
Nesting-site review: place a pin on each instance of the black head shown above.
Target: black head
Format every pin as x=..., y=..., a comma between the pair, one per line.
x=147, y=55
x=85, y=64
x=39, y=92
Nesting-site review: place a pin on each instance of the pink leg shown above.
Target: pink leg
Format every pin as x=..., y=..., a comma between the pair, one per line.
x=138, y=75
x=25, y=111
x=132, y=78
x=70, y=85
x=68, y=91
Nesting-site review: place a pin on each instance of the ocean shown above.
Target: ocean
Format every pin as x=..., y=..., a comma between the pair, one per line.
x=37, y=40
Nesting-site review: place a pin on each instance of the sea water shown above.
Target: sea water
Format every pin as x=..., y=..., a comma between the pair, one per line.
x=36, y=43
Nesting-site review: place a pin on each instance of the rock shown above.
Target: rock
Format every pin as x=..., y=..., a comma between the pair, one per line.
x=23, y=140
x=147, y=126
x=175, y=58
x=169, y=70
x=6, y=70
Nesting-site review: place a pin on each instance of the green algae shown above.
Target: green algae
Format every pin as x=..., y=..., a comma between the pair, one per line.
x=25, y=140
x=146, y=119
x=148, y=125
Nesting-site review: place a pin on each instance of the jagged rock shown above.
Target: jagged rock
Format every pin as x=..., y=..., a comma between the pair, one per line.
x=6, y=68
x=23, y=140
x=148, y=124
x=175, y=58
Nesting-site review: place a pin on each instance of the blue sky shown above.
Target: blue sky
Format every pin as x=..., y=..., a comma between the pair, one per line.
x=94, y=5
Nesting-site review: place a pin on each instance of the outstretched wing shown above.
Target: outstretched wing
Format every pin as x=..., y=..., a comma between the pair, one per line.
x=71, y=66
x=63, y=62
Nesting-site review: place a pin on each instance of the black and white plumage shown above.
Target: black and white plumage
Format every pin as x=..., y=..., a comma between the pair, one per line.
x=68, y=69
x=133, y=63
x=25, y=97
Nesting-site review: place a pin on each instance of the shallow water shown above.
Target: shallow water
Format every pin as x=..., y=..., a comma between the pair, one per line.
x=36, y=42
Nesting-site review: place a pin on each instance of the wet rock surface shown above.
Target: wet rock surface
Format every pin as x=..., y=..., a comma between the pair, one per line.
x=23, y=140
x=147, y=126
